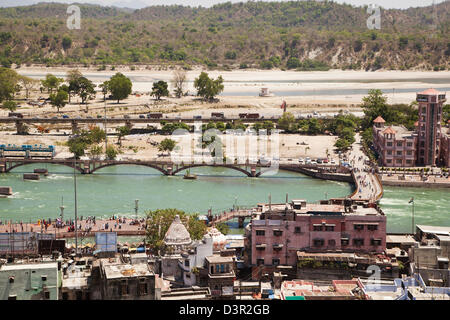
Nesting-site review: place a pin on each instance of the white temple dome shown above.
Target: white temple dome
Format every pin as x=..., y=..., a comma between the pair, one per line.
x=177, y=234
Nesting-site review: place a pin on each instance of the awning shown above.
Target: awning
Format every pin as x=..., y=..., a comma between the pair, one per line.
x=278, y=245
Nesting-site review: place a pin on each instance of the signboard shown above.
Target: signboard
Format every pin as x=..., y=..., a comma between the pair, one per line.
x=106, y=241
x=227, y=291
x=21, y=242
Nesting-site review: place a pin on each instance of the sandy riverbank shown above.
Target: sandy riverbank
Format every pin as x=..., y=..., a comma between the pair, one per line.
x=242, y=86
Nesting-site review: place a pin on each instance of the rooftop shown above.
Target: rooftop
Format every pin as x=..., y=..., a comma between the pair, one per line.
x=35, y=266
x=219, y=259
x=379, y=119
x=430, y=92
x=318, y=209
x=434, y=229
x=126, y=271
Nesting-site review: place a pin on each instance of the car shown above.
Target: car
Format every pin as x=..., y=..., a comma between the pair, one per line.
x=325, y=160
x=313, y=162
x=65, y=116
x=333, y=161
x=197, y=117
x=141, y=116
x=319, y=161
x=88, y=117
x=126, y=116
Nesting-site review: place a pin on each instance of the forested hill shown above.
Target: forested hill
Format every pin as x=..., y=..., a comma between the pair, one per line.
x=304, y=35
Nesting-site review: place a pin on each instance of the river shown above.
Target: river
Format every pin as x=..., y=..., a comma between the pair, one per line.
x=113, y=190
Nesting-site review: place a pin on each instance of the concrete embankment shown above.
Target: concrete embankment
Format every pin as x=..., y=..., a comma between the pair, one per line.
x=416, y=184
x=343, y=177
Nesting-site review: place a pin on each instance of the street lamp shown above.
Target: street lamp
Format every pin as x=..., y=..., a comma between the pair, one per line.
x=412, y=201
x=136, y=207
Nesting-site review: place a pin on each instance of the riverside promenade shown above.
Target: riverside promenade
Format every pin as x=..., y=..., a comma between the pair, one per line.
x=87, y=227
x=368, y=185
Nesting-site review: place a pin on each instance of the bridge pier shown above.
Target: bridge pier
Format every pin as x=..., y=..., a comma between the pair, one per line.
x=74, y=127
x=253, y=172
x=241, y=222
x=21, y=128
x=128, y=124
x=170, y=171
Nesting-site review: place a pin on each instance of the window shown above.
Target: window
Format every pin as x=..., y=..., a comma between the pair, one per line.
x=186, y=263
x=47, y=295
x=398, y=161
x=143, y=288
x=389, y=152
x=399, y=153
x=297, y=230
x=358, y=227
x=275, y=262
x=44, y=278
x=344, y=242
x=65, y=296
x=260, y=233
x=375, y=242
x=318, y=242
x=332, y=242
x=409, y=153
x=11, y=279
x=124, y=287
x=277, y=233
x=389, y=144
x=329, y=228
x=372, y=227
x=317, y=228
x=409, y=144
x=358, y=242
x=217, y=268
x=259, y=262
x=399, y=143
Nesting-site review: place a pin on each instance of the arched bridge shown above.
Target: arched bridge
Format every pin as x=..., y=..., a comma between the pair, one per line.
x=165, y=167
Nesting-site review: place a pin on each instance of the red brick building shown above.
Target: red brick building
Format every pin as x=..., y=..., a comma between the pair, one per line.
x=280, y=230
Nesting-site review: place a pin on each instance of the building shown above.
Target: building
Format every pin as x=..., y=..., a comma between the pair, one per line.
x=427, y=145
x=34, y=281
x=275, y=235
x=76, y=281
x=431, y=253
x=406, y=288
x=307, y=290
x=221, y=276
x=194, y=258
x=123, y=281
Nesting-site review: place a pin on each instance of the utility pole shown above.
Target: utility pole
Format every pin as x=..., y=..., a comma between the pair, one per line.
x=75, y=192
x=136, y=207
x=106, y=132
x=412, y=227
x=62, y=209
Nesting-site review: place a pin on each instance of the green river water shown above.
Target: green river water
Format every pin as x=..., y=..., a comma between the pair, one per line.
x=112, y=190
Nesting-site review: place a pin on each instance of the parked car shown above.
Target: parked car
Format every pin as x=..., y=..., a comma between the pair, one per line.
x=141, y=116
x=65, y=116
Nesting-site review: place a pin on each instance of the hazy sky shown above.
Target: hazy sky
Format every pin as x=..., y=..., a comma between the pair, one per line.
x=207, y=3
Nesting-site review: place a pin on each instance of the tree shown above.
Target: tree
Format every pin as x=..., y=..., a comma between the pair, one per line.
x=160, y=89
x=28, y=84
x=178, y=81
x=10, y=105
x=97, y=134
x=51, y=83
x=66, y=42
x=85, y=89
x=120, y=86
x=374, y=105
x=287, y=122
x=342, y=144
x=95, y=151
x=105, y=89
x=159, y=221
x=208, y=88
x=223, y=227
x=8, y=83
x=122, y=132
x=77, y=146
x=167, y=145
x=59, y=100
x=73, y=77
x=111, y=152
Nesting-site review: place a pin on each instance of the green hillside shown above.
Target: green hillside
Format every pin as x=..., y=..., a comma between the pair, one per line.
x=304, y=35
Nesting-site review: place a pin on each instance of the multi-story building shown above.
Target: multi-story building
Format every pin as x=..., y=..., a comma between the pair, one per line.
x=280, y=230
x=34, y=281
x=221, y=276
x=427, y=145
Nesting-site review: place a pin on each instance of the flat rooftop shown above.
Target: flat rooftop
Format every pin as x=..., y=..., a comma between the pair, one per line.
x=317, y=208
x=219, y=259
x=434, y=229
x=34, y=266
x=126, y=271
